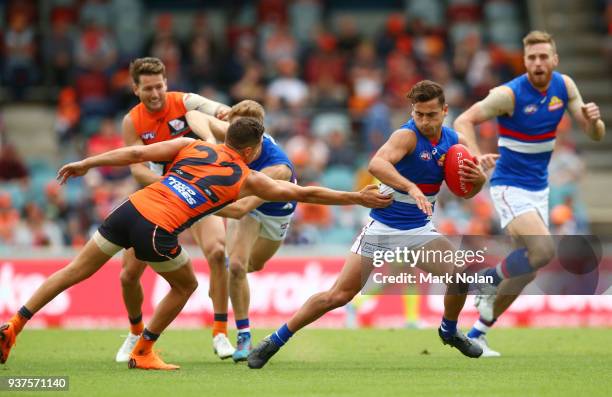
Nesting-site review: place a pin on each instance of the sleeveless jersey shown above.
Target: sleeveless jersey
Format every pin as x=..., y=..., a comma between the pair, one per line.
x=163, y=125
x=201, y=180
x=527, y=138
x=272, y=154
x=424, y=167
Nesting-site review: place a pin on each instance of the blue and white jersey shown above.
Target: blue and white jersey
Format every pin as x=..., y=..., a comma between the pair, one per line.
x=424, y=167
x=527, y=138
x=272, y=154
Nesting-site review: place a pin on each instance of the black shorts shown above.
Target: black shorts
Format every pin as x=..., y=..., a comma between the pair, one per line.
x=126, y=227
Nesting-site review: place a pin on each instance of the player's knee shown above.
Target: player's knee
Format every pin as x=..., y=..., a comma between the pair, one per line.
x=187, y=286
x=215, y=254
x=340, y=298
x=129, y=277
x=255, y=266
x=192, y=285
x=237, y=268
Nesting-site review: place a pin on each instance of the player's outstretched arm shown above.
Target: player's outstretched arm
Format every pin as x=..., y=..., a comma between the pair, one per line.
x=264, y=187
x=500, y=101
x=587, y=115
x=206, y=127
x=245, y=205
x=161, y=151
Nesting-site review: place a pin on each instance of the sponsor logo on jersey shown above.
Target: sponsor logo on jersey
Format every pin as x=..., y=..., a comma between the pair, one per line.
x=148, y=135
x=178, y=126
x=425, y=155
x=555, y=103
x=184, y=191
x=530, y=109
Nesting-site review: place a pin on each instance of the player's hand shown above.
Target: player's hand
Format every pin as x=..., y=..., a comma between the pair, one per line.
x=71, y=170
x=421, y=200
x=370, y=197
x=223, y=112
x=591, y=113
x=487, y=161
x=470, y=172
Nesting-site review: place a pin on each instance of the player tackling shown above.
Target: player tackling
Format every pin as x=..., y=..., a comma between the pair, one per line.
x=202, y=178
x=258, y=228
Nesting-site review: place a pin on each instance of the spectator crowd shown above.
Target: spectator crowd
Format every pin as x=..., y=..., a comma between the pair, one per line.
x=333, y=89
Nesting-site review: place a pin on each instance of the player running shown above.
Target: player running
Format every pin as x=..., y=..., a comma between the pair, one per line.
x=259, y=228
x=202, y=178
x=160, y=116
x=528, y=110
x=410, y=166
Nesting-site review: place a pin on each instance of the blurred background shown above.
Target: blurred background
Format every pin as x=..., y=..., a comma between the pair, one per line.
x=332, y=76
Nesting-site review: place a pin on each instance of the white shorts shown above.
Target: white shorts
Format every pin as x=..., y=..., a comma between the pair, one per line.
x=273, y=228
x=512, y=201
x=376, y=236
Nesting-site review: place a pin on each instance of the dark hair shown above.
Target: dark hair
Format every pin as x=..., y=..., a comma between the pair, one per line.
x=426, y=90
x=244, y=132
x=146, y=66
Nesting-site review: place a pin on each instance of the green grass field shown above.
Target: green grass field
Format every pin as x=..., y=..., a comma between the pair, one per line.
x=535, y=362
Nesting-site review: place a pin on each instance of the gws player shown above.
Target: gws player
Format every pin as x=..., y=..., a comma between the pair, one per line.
x=202, y=178
x=259, y=228
x=160, y=116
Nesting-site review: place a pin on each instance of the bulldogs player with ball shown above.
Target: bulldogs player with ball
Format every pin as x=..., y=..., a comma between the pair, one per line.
x=528, y=110
x=411, y=168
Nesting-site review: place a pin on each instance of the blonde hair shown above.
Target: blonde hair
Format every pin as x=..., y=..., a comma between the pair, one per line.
x=247, y=108
x=538, y=37
x=146, y=66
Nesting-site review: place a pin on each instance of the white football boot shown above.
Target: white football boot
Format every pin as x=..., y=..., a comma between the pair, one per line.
x=484, y=344
x=484, y=304
x=222, y=346
x=123, y=355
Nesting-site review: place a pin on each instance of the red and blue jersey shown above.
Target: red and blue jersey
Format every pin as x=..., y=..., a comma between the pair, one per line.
x=424, y=167
x=271, y=154
x=527, y=138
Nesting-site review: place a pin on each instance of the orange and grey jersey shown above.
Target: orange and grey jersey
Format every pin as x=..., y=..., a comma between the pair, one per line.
x=201, y=180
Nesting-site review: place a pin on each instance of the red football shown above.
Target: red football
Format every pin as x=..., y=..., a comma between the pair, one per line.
x=453, y=160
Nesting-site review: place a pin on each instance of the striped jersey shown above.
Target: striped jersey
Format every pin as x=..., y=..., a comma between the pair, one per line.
x=527, y=138
x=424, y=167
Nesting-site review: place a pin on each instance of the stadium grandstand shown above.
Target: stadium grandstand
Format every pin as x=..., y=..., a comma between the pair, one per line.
x=332, y=76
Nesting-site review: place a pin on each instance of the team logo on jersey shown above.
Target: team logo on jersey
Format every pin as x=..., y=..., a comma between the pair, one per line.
x=178, y=126
x=530, y=109
x=441, y=160
x=425, y=155
x=147, y=135
x=555, y=103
